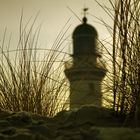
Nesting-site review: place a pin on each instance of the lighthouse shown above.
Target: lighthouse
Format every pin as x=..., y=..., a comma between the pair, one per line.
x=85, y=74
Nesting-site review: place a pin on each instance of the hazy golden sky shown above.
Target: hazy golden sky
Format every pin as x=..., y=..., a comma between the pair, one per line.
x=53, y=13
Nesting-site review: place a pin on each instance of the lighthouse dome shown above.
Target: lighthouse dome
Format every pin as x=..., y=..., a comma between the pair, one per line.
x=85, y=30
x=84, y=39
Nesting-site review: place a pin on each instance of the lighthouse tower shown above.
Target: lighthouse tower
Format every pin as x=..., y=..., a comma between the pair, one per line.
x=85, y=74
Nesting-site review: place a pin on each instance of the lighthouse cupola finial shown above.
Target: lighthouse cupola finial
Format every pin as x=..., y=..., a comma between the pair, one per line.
x=85, y=13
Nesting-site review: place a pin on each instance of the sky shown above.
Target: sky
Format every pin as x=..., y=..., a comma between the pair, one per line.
x=54, y=14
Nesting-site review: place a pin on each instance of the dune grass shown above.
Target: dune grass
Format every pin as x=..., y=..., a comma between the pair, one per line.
x=123, y=58
x=31, y=78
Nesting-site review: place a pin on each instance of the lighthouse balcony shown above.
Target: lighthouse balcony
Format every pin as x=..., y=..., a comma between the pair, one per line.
x=85, y=65
x=83, y=72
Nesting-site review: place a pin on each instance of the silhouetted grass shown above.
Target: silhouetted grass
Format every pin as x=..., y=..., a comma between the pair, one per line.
x=30, y=78
x=123, y=76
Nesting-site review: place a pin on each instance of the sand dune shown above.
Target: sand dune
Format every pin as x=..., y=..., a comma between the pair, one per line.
x=87, y=123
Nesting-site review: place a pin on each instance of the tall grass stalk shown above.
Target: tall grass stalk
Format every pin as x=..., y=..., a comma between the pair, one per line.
x=124, y=74
x=29, y=80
